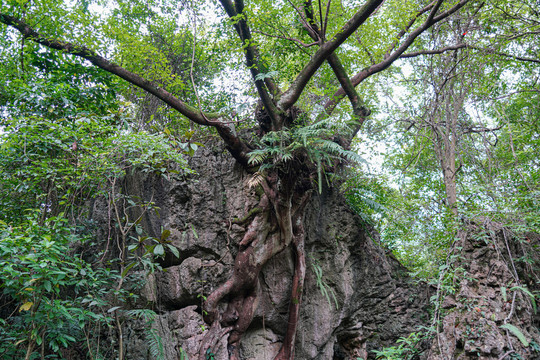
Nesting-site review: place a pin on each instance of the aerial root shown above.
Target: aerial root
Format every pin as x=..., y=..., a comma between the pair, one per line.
x=287, y=348
x=212, y=337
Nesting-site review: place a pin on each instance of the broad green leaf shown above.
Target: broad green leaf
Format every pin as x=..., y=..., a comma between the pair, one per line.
x=159, y=250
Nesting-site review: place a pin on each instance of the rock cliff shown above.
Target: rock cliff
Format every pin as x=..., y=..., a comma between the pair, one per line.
x=356, y=298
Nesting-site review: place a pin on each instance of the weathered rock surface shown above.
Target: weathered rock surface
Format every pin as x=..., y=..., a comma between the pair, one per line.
x=369, y=301
x=491, y=294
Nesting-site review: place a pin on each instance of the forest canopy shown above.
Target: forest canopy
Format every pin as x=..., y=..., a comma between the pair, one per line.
x=423, y=113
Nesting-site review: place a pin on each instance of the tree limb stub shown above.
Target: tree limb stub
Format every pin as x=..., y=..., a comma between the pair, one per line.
x=225, y=129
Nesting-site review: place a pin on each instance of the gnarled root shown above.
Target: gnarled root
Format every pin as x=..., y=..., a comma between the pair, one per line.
x=212, y=337
x=287, y=349
x=259, y=244
x=247, y=266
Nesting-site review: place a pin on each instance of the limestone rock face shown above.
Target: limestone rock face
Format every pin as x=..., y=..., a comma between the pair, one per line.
x=355, y=298
x=492, y=296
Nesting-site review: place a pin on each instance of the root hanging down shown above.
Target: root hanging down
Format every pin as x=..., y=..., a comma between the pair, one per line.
x=287, y=349
x=273, y=229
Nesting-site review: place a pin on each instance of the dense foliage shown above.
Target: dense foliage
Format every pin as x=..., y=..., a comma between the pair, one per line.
x=95, y=90
x=461, y=133
x=65, y=141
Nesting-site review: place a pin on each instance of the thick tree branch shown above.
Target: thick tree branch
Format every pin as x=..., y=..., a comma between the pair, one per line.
x=297, y=86
x=434, y=11
x=389, y=60
x=468, y=46
x=360, y=111
x=239, y=20
x=188, y=111
x=226, y=130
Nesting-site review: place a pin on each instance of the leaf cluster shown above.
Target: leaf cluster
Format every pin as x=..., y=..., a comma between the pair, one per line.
x=316, y=143
x=52, y=292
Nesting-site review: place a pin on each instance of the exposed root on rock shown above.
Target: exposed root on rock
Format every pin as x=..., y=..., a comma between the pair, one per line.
x=287, y=349
x=212, y=337
x=278, y=225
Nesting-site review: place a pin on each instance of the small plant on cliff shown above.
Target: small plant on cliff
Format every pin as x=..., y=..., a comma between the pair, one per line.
x=315, y=143
x=405, y=350
x=325, y=289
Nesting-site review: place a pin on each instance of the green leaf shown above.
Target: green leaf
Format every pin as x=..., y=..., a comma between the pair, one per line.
x=262, y=76
x=174, y=250
x=159, y=250
x=514, y=330
x=165, y=234
x=126, y=270
x=194, y=232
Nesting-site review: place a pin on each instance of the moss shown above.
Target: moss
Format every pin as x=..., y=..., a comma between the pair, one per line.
x=250, y=214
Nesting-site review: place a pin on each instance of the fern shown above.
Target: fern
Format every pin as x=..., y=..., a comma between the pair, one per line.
x=257, y=157
x=336, y=149
x=526, y=291
x=278, y=148
x=143, y=314
x=367, y=197
x=514, y=330
x=155, y=343
x=325, y=289
x=256, y=179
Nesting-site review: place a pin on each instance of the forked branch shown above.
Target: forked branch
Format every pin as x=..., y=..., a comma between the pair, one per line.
x=292, y=94
x=388, y=60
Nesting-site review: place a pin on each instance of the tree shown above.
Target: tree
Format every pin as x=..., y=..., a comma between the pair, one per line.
x=452, y=126
x=295, y=145
x=64, y=145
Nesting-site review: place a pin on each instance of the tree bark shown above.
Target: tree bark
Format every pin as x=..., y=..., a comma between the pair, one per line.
x=277, y=226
